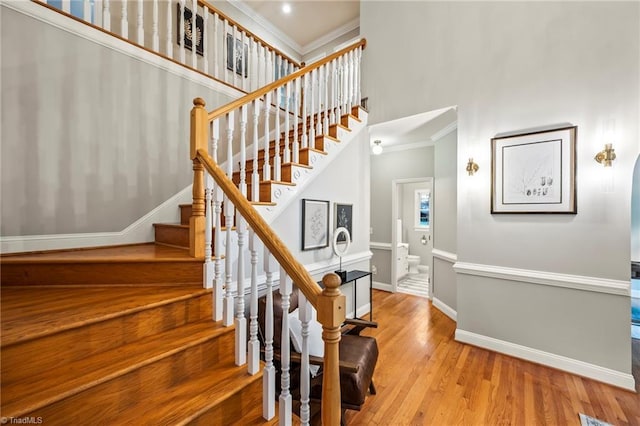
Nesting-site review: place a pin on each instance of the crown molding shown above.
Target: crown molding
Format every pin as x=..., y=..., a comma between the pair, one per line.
x=444, y=131
x=407, y=146
x=329, y=37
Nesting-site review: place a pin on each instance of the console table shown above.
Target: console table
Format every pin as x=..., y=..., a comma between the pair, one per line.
x=354, y=276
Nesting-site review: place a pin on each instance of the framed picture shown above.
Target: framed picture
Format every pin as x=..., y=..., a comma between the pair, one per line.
x=344, y=219
x=534, y=172
x=238, y=55
x=189, y=33
x=315, y=224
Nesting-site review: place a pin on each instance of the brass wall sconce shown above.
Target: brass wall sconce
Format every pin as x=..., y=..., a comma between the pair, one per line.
x=606, y=156
x=472, y=167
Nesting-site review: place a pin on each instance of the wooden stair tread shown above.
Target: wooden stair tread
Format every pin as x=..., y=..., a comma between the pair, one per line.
x=187, y=400
x=127, y=253
x=61, y=309
x=69, y=379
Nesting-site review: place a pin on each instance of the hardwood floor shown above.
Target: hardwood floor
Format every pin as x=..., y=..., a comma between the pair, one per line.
x=424, y=377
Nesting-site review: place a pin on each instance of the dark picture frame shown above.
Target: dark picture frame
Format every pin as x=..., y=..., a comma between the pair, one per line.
x=235, y=61
x=534, y=172
x=343, y=214
x=315, y=224
x=188, y=35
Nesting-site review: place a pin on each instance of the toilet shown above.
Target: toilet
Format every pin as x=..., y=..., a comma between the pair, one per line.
x=413, y=261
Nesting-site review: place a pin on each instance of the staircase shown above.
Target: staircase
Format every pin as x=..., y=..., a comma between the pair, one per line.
x=124, y=334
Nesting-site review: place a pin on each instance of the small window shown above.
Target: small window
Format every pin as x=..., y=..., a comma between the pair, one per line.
x=422, y=208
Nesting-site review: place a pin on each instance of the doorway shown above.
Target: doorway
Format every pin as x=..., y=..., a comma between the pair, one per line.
x=412, y=202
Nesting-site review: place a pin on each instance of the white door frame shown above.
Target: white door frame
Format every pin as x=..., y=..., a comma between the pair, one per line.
x=395, y=186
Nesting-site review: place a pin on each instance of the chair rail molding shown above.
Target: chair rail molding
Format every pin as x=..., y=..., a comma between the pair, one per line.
x=379, y=246
x=554, y=279
x=444, y=255
x=581, y=368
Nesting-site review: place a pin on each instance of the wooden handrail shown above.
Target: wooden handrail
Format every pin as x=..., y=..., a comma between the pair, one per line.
x=277, y=248
x=232, y=106
x=249, y=33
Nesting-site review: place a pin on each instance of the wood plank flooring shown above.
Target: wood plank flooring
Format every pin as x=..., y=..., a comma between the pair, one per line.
x=424, y=377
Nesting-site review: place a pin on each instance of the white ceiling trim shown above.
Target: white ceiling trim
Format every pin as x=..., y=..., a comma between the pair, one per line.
x=340, y=31
x=444, y=131
x=242, y=7
x=407, y=146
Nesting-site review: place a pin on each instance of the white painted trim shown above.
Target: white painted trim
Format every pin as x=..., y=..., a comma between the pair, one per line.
x=329, y=37
x=138, y=232
x=407, y=146
x=560, y=362
x=382, y=286
x=577, y=282
x=444, y=255
x=379, y=246
x=445, y=309
x=30, y=8
x=444, y=131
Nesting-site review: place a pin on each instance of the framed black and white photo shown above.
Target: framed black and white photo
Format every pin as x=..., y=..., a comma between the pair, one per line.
x=189, y=33
x=534, y=172
x=344, y=219
x=237, y=56
x=315, y=224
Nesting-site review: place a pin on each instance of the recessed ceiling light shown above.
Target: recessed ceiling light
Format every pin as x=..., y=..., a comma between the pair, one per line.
x=286, y=8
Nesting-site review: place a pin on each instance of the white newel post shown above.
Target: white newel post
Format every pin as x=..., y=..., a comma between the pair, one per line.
x=285, y=394
x=140, y=23
x=269, y=376
x=124, y=23
x=228, y=219
x=169, y=29
x=304, y=314
x=254, y=344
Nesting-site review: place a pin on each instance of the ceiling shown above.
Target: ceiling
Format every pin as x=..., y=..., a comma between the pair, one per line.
x=310, y=24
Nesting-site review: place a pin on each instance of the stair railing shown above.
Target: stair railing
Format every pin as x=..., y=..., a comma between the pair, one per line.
x=225, y=226
x=170, y=29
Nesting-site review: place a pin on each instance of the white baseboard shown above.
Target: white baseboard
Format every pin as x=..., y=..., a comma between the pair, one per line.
x=382, y=286
x=445, y=309
x=574, y=366
x=140, y=231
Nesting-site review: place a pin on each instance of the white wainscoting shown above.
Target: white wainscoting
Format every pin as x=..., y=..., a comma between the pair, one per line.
x=578, y=282
x=445, y=309
x=574, y=366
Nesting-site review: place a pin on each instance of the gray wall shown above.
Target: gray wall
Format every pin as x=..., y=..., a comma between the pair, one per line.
x=92, y=139
x=409, y=234
x=635, y=214
x=518, y=65
x=445, y=218
x=385, y=168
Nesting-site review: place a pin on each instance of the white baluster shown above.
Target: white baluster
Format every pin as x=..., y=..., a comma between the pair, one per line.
x=208, y=267
x=228, y=219
x=66, y=6
x=216, y=70
x=225, y=51
x=106, y=15
x=155, y=37
x=333, y=91
x=140, y=24
x=350, y=84
x=319, y=130
x=255, y=175
x=234, y=55
x=312, y=105
x=253, y=60
x=245, y=65
x=285, y=395
x=169, y=29
x=266, y=168
x=358, y=77
x=86, y=11
x=97, y=18
x=194, y=34
x=205, y=40
x=305, y=93
x=254, y=344
x=219, y=285
x=325, y=94
x=271, y=69
x=287, y=151
x=277, y=162
x=269, y=375
x=124, y=23
x=296, y=112
x=181, y=32
x=241, y=321
x=243, y=150
x=304, y=314
x=339, y=85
